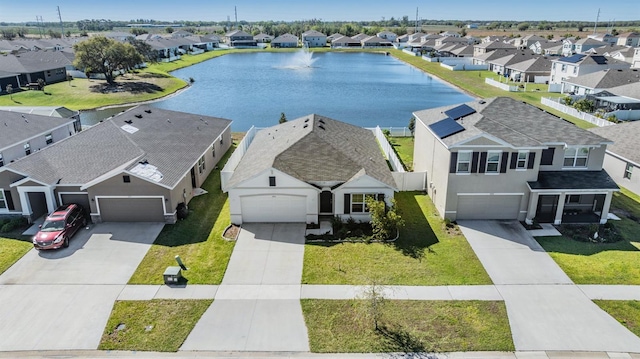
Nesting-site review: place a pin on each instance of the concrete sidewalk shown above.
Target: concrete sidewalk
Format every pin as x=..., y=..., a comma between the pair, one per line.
x=257, y=306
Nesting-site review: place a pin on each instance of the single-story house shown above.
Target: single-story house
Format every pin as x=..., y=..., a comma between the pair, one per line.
x=137, y=166
x=285, y=40
x=309, y=167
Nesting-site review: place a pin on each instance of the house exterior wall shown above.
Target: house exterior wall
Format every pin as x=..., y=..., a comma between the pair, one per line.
x=285, y=185
x=37, y=143
x=560, y=72
x=594, y=162
x=314, y=41
x=432, y=156
x=6, y=179
x=616, y=166
x=364, y=185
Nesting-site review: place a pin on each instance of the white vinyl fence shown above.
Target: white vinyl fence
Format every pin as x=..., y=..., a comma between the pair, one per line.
x=235, y=158
x=553, y=103
x=405, y=181
x=500, y=85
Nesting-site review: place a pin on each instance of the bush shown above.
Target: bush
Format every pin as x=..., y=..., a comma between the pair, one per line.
x=584, y=105
x=9, y=225
x=607, y=233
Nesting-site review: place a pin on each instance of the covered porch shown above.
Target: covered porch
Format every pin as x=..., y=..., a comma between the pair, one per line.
x=570, y=197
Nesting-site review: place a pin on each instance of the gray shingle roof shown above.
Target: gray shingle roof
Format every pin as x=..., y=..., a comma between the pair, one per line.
x=52, y=111
x=314, y=148
x=172, y=141
x=14, y=129
x=540, y=64
x=606, y=78
x=573, y=180
x=515, y=122
x=625, y=139
x=34, y=61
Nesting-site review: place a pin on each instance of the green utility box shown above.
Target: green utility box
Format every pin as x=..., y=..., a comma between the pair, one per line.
x=172, y=275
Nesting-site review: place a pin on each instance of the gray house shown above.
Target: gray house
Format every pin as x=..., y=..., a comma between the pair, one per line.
x=503, y=159
x=137, y=166
x=312, y=38
x=622, y=160
x=285, y=40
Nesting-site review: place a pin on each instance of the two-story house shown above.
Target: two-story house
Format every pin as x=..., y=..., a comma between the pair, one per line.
x=582, y=46
x=580, y=64
x=484, y=47
x=239, y=38
x=629, y=39
x=313, y=38
x=503, y=159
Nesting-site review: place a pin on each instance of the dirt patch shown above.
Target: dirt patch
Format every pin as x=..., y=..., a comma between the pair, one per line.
x=231, y=233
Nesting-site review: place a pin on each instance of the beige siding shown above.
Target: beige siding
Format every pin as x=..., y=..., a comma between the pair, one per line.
x=6, y=179
x=596, y=156
x=115, y=186
x=615, y=167
x=432, y=156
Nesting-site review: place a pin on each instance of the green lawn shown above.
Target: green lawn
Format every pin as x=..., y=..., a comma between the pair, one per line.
x=11, y=250
x=427, y=253
x=473, y=83
x=197, y=239
x=602, y=263
x=627, y=312
x=336, y=326
x=156, y=325
x=404, y=150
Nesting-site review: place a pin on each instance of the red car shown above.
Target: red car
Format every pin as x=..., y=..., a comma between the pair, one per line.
x=59, y=227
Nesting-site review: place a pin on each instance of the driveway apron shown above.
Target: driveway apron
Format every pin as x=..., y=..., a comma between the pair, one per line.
x=62, y=299
x=257, y=306
x=546, y=310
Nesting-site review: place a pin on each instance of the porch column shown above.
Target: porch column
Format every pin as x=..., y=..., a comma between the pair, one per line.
x=560, y=208
x=605, y=208
x=533, y=207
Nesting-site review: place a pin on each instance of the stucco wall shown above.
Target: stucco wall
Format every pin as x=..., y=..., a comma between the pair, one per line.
x=6, y=179
x=115, y=186
x=432, y=156
x=366, y=185
x=36, y=143
x=615, y=167
x=594, y=163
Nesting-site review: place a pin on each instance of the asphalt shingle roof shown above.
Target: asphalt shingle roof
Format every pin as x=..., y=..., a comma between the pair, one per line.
x=16, y=127
x=573, y=180
x=625, y=139
x=515, y=122
x=606, y=78
x=313, y=149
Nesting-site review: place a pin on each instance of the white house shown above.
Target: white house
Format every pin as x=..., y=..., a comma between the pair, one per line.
x=580, y=64
x=313, y=38
x=622, y=160
x=387, y=35
x=306, y=168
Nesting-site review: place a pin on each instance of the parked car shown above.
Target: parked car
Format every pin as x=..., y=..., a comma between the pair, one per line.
x=60, y=226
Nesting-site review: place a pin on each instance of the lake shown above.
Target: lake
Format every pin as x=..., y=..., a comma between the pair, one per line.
x=364, y=89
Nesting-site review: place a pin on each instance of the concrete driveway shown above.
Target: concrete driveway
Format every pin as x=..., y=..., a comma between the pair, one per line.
x=546, y=310
x=62, y=299
x=257, y=306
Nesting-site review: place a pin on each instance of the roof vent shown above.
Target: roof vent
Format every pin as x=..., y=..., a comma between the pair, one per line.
x=305, y=126
x=147, y=111
x=138, y=116
x=321, y=127
x=168, y=120
x=482, y=102
x=321, y=121
x=128, y=121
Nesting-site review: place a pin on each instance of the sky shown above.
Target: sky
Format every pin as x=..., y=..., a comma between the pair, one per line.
x=326, y=10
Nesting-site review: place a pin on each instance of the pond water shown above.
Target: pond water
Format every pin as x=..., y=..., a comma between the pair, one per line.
x=363, y=89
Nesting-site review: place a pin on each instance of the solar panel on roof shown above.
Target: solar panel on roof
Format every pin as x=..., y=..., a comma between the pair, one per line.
x=600, y=60
x=459, y=111
x=573, y=58
x=445, y=128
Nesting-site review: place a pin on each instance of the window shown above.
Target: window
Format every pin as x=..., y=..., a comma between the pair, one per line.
x=573, y=198
x=3, y=203
x=522, y=160
x=213, y=151
x=272, y=181
x=358, y=204
x=126, y=179
x=464, y=162
x=27, y=148
x=575, y=70
x=1, y=160
x=493, y=161
x=576, y=157
x=201, y=165
x=48, y=139
x=627, y=171
x=564, y=68
x=221, y=140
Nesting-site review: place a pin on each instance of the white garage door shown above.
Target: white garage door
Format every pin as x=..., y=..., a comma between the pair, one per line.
x=488, y=207
x=274, y=208
x=131, y=209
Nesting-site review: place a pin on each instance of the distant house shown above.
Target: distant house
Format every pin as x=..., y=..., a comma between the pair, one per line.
x=387, y=35
x=345, y=41
x=263, y=38
x=308, y=167
x=500, y=158
x=623, y=102
x=576, y=65
x=568, y=46
x=500, y=65
x=50, y=66
x=606, y=38
x=239, y=38
x=202, y=42
x=536, y=70
x=167, y=50
x=600, y=80
x=622, y=159
x=332, y=37
x=181, y=33
x=360, y=36
x=285, y=40
x=623, y=54
x=472, y=26
x=374, y=41
x=526, y=41
x=312, y=38
x=584, y=45
x=629, y=39
x=138, y=166
x=484, y=47
x=546, y=48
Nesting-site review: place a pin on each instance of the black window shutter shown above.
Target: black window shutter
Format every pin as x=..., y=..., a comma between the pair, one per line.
x=9, y=200
x=514, y=160
x=532, y=159
x=547, y=156
x=505, y=160
x=454, y=162
x=381, y=197
x=347, y=203
x=483, y=162
x=474, y=162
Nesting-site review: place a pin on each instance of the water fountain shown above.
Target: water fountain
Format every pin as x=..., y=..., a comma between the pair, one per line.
x=301, y=59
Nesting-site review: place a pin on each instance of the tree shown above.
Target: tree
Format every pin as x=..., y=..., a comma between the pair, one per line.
x=8, y=34
x=144, y=49
x=41, y=84
x=105, y=56
x=523, y=26
x=283, y=118
x=10, y=91
x=373, y=302
x=384, y=221
x=412, y=125
x=584, y=105
x=168, y=30
x=138, y=31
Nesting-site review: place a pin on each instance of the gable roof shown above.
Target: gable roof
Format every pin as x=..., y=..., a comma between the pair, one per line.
x=34, y=61
x=52, y=111
x=514, y=122
x=539, y=64
x=606, y=78
x=16, y=127
x=631, y=90
x=171, y=141
x=312, y=33
x=285, y=38
x=314, y=148
x=625, y=139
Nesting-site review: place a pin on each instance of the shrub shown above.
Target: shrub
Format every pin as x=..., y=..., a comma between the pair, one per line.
x=384, y=221
x=584, y=105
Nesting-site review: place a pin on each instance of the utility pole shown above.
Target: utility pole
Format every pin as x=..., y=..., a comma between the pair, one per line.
x=39, y=28
x=61, y=27
x=235, y=9
x=416, y=30
x=596, y=24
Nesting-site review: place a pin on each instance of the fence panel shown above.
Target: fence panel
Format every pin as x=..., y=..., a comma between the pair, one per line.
x=553, y=103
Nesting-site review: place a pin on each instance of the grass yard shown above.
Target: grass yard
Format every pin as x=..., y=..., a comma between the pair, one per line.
x=603, y=263
x=156, y=325
x=627, y=312
x=404, y=150
x=338, y=326
x=427, y=253
x=197, y=239
x=11, y=250
x=473, y=83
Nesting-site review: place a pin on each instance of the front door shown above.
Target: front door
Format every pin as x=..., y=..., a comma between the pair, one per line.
x=547, y=206
x=326, y=202
x=193, y=177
